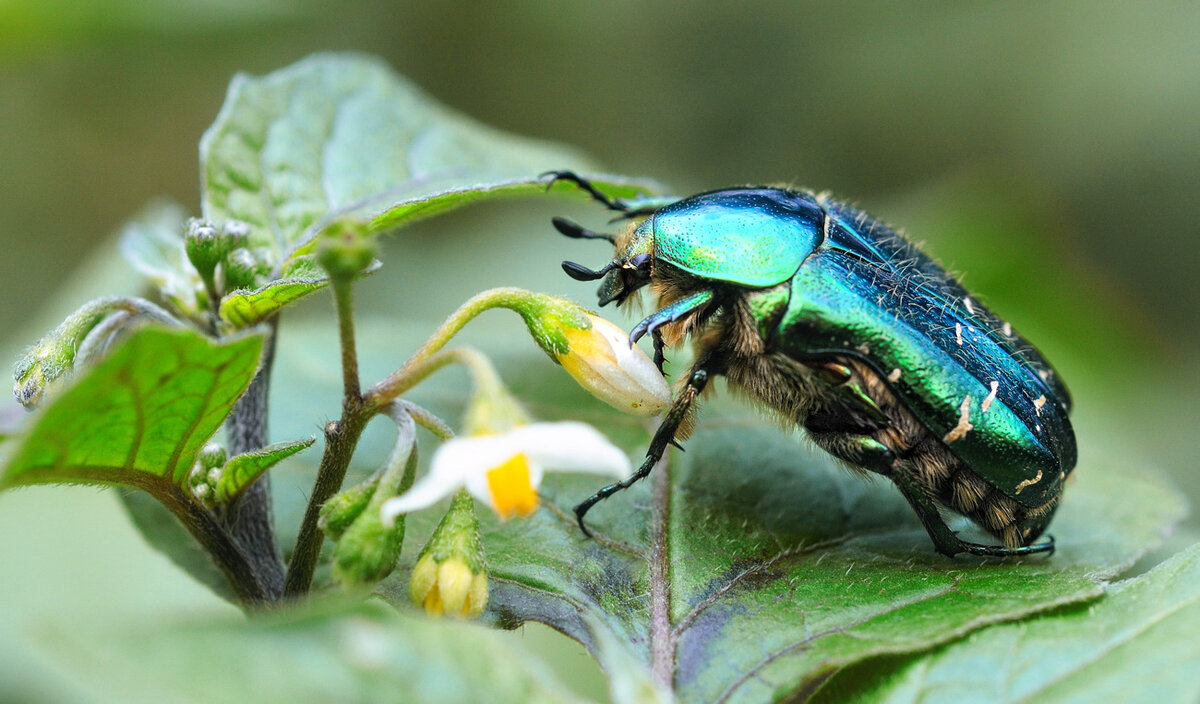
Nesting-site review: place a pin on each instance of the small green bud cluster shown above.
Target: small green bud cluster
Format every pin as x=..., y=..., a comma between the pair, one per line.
x=206, y=473
x=223, y=256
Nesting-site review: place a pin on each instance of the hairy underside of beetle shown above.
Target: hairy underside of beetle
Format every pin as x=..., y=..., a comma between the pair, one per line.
x=803, y=395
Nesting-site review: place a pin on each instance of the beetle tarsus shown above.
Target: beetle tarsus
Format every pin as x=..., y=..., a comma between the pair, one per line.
x=663, y=437
x=572, y=177
x=1046, y=547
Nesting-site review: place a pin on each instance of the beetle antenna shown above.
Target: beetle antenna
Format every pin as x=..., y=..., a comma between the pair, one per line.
x=580, y=272
x=572, y=177
x=575, y=231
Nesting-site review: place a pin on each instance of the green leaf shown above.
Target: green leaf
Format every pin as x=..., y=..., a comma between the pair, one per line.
x=1137, y=644
x=301, y=276
x=152, y=241
x=242, y=471
x=769, y=567
x=329, y=653
x=777, y=567
x=140, y=416
x=343, y=133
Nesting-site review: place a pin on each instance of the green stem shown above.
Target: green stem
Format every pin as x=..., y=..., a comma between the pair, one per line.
x=409, y=374
x=341, y=438
x=217, y=542
x=343, y=293
x=248, y=516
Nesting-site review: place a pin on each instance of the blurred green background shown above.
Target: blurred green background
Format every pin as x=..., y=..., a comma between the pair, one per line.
x=1048, y=152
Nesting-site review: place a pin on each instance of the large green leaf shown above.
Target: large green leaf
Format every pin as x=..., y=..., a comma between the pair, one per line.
x=330, y=653
x=1138, y=644
x=773, y=567
x=140, y=416
x=343, y=133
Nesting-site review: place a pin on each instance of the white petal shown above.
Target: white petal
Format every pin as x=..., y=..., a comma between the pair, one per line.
x=453, y=462
x=570, y=447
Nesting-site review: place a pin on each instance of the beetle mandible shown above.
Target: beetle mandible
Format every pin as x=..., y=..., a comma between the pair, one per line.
x=836, y=322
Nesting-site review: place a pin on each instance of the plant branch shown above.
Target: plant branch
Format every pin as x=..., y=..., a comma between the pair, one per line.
x=218, y=543
x=248, y=517
x=662, y=638
x=343, y=294
x=413, y=370
x=341, y=438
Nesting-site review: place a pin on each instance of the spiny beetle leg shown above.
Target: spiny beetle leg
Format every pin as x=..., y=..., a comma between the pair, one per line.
x=659, y=357
x=944, y=539
x=572, y=177
x=664, y=436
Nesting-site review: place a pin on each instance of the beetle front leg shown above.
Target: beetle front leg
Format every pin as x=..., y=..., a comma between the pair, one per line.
x=944, y=539
x=664, y=436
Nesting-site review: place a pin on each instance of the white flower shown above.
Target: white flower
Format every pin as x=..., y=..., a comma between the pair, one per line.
x=603, y=362
x=504, y=471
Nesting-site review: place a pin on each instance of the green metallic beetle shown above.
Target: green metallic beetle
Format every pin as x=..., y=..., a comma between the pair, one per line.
x=827, y=316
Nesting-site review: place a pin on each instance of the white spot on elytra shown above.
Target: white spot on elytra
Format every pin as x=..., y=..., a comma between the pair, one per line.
x=894, y=376
x=863, y=349
x=964, y=422
x=1038, y=403
x=958, y=333
x=967, y=303
x=987, y=402
x=1029, y=482
x=1007, y=328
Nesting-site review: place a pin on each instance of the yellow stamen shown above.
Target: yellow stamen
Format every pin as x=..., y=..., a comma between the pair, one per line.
x=511, y=489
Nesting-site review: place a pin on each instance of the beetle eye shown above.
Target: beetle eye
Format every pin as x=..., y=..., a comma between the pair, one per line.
x=639, y=262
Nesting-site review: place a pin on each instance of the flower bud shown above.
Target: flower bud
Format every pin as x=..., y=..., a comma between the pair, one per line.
x=55, y=354
x=345, y=249
x=450, y=576
x=340, y=511
x=597, y=354
x=367, y=550
x=205, y=248
x=601, y=359
x=241, y=269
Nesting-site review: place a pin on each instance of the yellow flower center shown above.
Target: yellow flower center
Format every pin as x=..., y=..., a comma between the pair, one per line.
x=511, y=489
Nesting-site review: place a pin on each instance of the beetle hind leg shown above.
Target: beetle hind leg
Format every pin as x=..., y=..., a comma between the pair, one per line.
x=944, y=539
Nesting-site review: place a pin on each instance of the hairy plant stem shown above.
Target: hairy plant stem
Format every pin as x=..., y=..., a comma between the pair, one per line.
x=662, y=638
x=343, y=294
x=413, y=371
x=248, y=518
x=215, y=538
x=341, y=437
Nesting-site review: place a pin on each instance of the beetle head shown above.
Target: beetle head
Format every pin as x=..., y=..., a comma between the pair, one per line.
x=629, y=270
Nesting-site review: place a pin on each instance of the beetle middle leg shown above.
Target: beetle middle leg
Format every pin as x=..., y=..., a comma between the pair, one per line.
x=664, y=436
x=863, y=451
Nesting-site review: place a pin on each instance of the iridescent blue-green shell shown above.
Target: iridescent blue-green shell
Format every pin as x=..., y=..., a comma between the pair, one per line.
x=751, y=237
x=860, y=290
